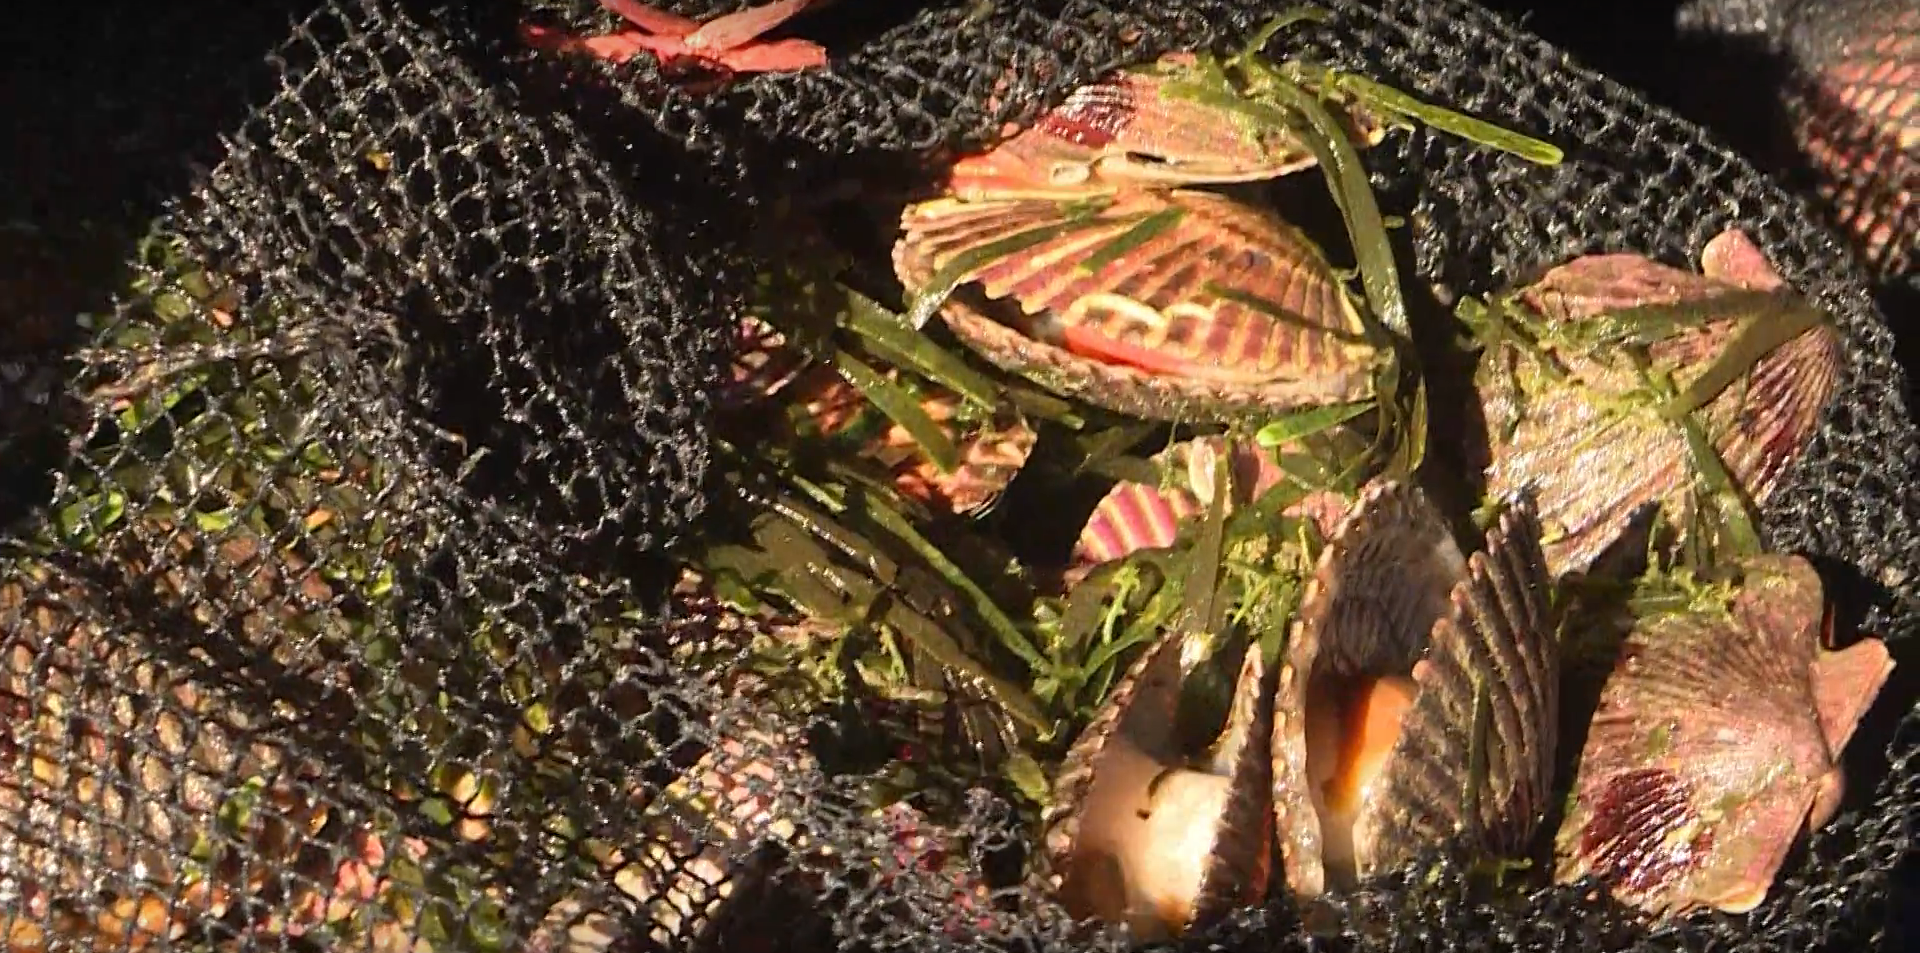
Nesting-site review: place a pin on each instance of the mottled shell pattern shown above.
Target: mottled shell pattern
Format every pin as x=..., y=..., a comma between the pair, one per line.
x=1082, y=265
x=1716, y=742
x=1586, y=439
x=1467, y=762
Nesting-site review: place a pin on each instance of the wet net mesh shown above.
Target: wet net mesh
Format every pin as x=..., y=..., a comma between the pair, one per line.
x=337, y=590
x=1842, y=72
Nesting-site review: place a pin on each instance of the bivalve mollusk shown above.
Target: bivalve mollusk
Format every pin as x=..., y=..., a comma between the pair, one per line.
x=1417, y=700
x=1145, y=834
x=1716, y=742
x=1134, y=516
x=1072, y=254
x=1569, y=387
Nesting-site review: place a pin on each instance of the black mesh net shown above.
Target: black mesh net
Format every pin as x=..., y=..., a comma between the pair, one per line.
x=1817, y=93
x=339, y=584
x=1846, y=93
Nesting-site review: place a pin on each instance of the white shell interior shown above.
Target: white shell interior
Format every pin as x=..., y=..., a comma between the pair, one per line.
x=1148, y=829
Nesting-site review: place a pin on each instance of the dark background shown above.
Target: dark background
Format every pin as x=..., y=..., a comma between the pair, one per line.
x=107, y=114
x=1626, y=39
x=110, y=112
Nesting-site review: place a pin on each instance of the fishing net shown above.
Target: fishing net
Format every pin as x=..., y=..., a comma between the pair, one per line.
x=338, y=597
x=1838, y=113
x=1817, y=93
x=1844, y=93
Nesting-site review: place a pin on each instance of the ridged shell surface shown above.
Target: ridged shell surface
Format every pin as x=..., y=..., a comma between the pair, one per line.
x=1135, y=516
x=1168, y=305
x=1394, y=596
x=1107, y=781
x=1716, y=735
x=1591, y=443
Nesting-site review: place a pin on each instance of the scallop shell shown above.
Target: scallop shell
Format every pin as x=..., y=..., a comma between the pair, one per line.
x=1592, y=454
x=1129, y=130
x=695, y=893
x=1715, y=743
x=1121, y=307
x=1104, y=804
x=1859, y=123
x=710, y=851
x=992, y=452
x=763, y=361
x=1471, y=766
x=1136, y=516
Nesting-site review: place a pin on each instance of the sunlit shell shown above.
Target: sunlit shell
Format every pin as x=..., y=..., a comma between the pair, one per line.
x=1143, y=307
x=1135, y=516
x=1715, y=743
x=1129, y=130
x=1140, y=833
x=1417, y=699
x=1594, y=450
x=699, y=861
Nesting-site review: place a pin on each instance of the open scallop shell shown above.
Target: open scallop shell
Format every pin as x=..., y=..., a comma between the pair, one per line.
x=1136, y=516
x=1138, y=832
x=1715, y=743
x=1593, y=456
x=1460, y=649
x=1143, y=307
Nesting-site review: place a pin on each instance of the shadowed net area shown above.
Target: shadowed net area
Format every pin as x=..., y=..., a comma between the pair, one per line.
x=340, y=602
x=1848, y=79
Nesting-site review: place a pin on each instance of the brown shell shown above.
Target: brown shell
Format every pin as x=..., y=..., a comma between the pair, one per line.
x=701, y=864
x=1198, y=354
x=1715, y=737
x=1136, y=516
x=703, y=873
x=1594, y=458
x=695, y=894
x=1394, y=596
x=1138, y=719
